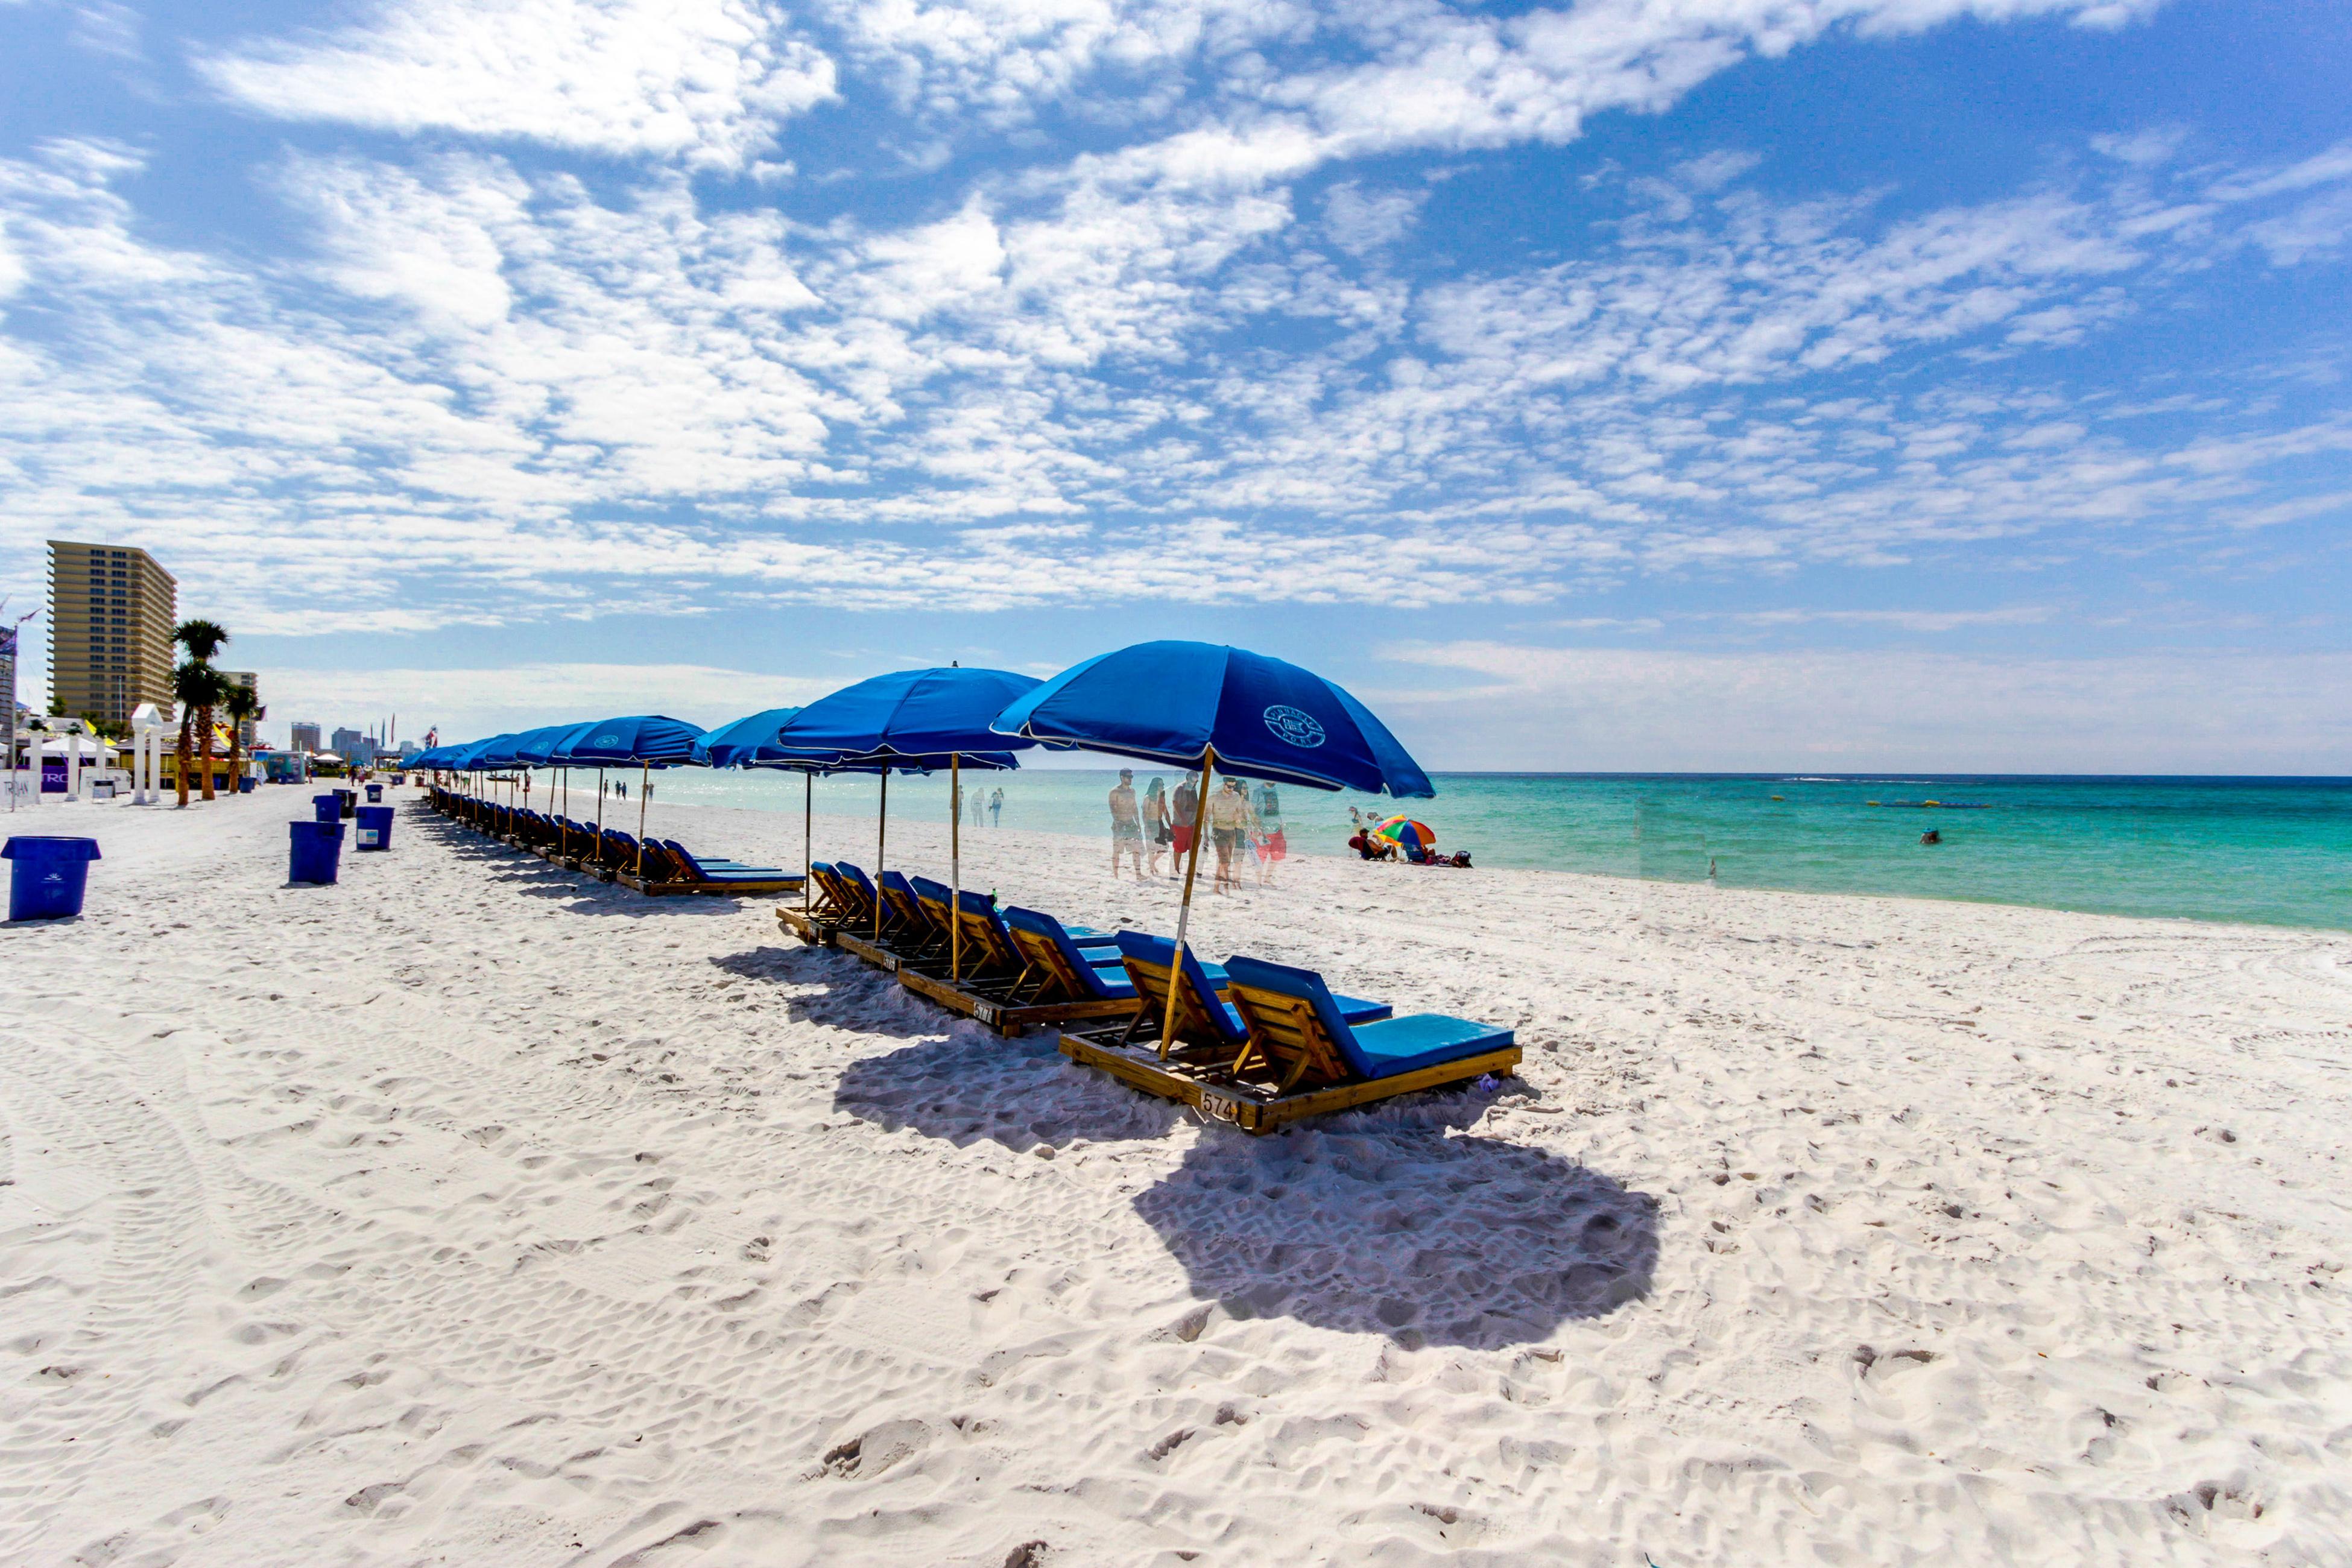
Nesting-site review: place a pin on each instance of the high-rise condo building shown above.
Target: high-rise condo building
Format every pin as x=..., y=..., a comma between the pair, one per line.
x=112, y=611
x=251, y=683
x=303, y=737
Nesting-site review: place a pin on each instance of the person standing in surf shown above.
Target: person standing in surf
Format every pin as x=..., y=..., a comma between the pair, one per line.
x=1126, y=824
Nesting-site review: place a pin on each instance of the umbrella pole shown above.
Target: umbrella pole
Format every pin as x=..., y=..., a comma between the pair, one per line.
x=808, y=822
x=563, y=817
x=955, y=868
x=645, y=770
x=881, y=845
x=1184, y=914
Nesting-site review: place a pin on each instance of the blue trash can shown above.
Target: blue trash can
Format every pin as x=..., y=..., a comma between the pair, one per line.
x=325, y=808
x=244, y=784
x=49, y=877
x=350, y=799
x=375, y=794
x=318, y=849
x=375, y=827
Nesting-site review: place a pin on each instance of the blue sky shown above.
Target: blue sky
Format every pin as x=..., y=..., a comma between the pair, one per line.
x=1835, y=383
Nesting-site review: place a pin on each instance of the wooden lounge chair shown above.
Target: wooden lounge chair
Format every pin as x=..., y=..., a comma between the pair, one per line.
x=1302, y=1056
x=726, y=877
x=1306, y=1057
x=998, y=984
x=1207, y=1026
x=828, y=906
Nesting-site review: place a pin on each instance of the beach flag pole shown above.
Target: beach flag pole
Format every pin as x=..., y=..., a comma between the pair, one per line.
x=1184, y=913
x=645, y=773
x=955, y=868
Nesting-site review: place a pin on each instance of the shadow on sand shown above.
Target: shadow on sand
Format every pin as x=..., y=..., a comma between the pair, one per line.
x=521, y=872
x=834, y=990
x=1428, y=1238
x=974, y=1086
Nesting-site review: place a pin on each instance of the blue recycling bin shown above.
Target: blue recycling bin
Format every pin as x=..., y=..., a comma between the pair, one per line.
x=375, y=827
x=49, y=878
x=244, y=784
x=325, y=808
x=318, y=851
x=375, y=794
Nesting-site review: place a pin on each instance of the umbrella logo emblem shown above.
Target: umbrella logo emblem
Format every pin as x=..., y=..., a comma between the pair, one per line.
x=606, y=741
x=1294, y=727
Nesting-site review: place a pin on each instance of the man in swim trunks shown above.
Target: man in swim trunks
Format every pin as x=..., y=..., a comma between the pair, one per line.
x=1126, y=824
x=1230, y=821
x=1180, y=831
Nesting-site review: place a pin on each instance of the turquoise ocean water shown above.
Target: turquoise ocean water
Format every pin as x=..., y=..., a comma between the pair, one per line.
x=2277, y=851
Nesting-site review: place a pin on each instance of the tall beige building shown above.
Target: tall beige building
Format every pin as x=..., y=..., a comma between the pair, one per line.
x=247, y=732
x=112, y=611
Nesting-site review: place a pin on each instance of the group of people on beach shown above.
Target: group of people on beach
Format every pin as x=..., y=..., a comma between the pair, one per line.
x=976, y=801
x=1160, y=822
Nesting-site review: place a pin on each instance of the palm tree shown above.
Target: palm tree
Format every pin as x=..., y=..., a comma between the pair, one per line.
x=197, y=687
x=203, y=639
x=243, y=708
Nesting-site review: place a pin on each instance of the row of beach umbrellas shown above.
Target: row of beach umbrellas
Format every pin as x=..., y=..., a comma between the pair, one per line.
x=1199, y=705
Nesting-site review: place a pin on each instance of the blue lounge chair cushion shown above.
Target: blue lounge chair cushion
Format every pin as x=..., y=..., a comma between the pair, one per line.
x=1208, y=980
x=1381, y=1048
x=1098, y=958
x=716, y=868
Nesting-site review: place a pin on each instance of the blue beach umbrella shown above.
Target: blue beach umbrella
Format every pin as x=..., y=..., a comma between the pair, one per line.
x=741, y=742
x=1188, y=702
x=648, y=740
x=1207, y=706
x=943, y=714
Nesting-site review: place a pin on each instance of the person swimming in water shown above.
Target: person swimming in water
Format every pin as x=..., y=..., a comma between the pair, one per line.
x=1933, y=835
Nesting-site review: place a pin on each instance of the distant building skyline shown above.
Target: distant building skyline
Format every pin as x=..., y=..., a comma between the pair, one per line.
x=303, y=736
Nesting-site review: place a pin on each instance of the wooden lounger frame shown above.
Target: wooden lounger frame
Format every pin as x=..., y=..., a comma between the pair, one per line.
x=1258, y=1108
x=999, y=1005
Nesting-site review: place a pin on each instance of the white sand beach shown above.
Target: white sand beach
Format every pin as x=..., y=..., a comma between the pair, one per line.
x=471, y=1212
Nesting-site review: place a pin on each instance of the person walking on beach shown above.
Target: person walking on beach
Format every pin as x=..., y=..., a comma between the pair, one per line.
x=1229, y=827
x=996, y=809
x=1157, y=832
x=1126, y=824
x=1272, y=846
x=1179, y=834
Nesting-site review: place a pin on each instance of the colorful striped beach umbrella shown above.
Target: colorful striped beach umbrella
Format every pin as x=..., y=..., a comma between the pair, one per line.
x=1404, y=830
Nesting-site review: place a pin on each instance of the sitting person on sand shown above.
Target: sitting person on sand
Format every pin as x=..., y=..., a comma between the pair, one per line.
x=1372, y=848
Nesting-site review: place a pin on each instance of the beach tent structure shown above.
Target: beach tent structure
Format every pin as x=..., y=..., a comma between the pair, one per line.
x=1207, y=706
x=919, y=718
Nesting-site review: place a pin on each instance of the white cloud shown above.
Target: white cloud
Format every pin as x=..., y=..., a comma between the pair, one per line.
x=704, y=80
x=463, y=702
x=1360, y=221
x=2185, y=711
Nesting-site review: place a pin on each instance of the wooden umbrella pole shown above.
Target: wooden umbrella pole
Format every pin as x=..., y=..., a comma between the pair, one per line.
x=645, y=772
x=1184, y=914
x=955, y=867
x=881, y=846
